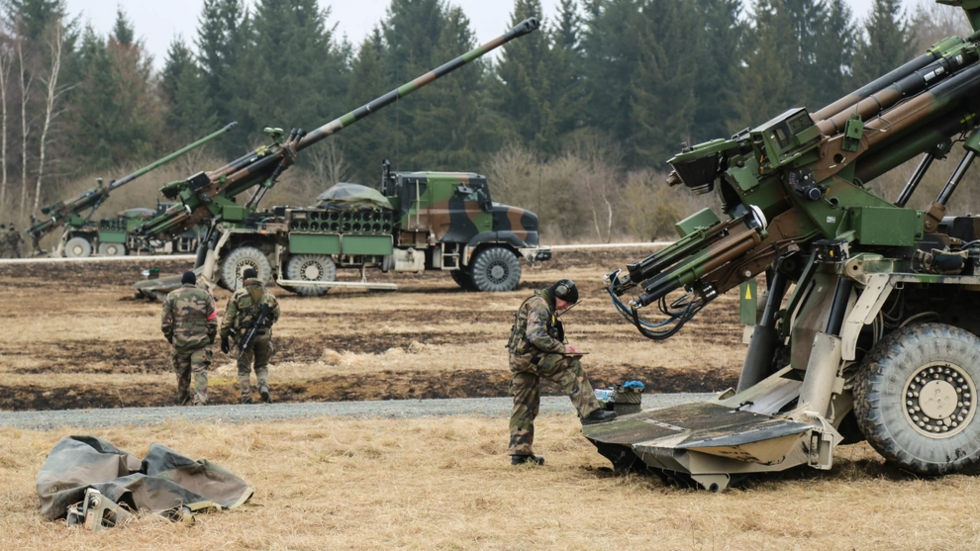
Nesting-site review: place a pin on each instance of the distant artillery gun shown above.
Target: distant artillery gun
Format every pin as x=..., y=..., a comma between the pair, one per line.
x=109, y=237
x=207, y=199
x=869, y=329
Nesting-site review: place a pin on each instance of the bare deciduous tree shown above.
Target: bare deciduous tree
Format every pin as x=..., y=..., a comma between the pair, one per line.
x=329, y=164
x=5, y=62
x=51, y=97
x=25, y=88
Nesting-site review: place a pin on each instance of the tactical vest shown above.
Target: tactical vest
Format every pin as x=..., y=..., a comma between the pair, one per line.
x=518, y=343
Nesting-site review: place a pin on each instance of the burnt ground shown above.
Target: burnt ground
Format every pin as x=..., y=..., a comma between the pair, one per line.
x=79, y=339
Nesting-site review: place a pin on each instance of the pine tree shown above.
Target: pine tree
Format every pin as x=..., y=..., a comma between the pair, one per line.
x=296, y=73
x=526, y=94
x=179, y=56
x=719, y=69
x=372, y=139
x=662, y=99
x=611, y=61
x=190, y=112
x=452, y=128
x=222, y=37
x=888, y=43
x=834, y=55
x=115, y=115
x=35, y=16
x=767, y=81
x=122, y=31
x=564, y=71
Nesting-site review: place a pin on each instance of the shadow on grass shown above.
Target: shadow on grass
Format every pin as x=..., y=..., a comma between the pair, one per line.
x=845, y=470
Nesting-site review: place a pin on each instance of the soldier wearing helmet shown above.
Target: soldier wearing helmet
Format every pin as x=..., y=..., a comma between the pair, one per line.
x=538, y=350
x=240, y=315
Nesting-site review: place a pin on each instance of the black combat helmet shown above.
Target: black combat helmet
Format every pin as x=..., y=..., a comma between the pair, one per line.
x=566, y=290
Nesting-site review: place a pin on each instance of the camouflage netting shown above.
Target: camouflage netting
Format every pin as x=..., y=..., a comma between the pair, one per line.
x=351, y=195
x=163, y=481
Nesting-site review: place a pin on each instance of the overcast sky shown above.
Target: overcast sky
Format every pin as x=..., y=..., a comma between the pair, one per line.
x=158, y=21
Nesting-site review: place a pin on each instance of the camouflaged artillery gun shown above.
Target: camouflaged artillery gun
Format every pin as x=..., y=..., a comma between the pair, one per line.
x=418, y=221
x=240, y=236
x=870, y=324
x=81, y=236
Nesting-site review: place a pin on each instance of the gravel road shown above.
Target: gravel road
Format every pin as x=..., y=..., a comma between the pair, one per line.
x=392, y=409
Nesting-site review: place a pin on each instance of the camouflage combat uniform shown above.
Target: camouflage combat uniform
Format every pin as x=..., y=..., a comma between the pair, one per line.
x=538, y=352
x=13, y=240
x=239, y=317
x=190, y=322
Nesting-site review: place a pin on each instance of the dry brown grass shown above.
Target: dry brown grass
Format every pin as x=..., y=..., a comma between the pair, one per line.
x=446, y=484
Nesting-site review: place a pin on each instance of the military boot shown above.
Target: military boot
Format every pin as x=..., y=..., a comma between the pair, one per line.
x=264, y=393
x=599, y=416
x=246, y=400
x=522, y=459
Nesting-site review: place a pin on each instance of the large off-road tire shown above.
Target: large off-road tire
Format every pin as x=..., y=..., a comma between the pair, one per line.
x=496, y=269
x=112, y=249
x=78, y=247
x=311, y=267
x=464, y=279
x=915, y=398
x=241, y=259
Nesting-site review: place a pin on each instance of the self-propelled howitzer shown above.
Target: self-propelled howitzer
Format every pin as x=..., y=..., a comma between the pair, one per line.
x=210, y=195
x=869, y=326
x=71, y=212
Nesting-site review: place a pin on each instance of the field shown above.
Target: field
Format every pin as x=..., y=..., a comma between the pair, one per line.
x=74, y=337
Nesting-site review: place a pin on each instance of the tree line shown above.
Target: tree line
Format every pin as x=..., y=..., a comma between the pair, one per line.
x=611, y=85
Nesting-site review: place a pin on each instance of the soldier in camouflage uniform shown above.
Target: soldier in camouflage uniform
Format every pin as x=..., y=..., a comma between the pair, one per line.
x=3, y=241
x=241, y=313
x=14, y=240
x=190, y=323
x=538, y=350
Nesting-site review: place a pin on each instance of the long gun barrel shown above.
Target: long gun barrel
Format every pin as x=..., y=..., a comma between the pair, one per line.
x=60, y=212
x=206, y=195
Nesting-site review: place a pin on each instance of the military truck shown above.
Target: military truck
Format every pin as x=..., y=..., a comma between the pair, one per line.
x=81, y=236
x=419, y=221
x=869, y=329
x=208, y=200
x=115, y=236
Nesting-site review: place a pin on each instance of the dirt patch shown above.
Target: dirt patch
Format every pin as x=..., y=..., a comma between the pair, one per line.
x=66, y=319
x=386, y=385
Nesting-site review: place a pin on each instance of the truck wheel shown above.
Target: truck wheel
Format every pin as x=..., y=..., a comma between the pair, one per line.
x=496, y=269
x=78, y=247
x=240, y=260
x=311, y=267
x=915, y=398
x=112, y=249
x=464, y=279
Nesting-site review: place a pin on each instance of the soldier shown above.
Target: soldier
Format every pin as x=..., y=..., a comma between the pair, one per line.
x=3, y=241
x=538, y=350
x=190, y=323
x=240, y=315
x=14, y=240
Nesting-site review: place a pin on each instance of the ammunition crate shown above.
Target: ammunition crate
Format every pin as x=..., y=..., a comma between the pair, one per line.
x=369, y=222
x=619, y=399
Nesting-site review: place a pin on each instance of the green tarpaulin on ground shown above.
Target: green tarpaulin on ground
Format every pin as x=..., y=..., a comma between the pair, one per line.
x=163, y=481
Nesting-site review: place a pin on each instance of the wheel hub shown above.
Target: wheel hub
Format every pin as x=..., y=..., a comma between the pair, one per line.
x=311, y=271
x=497, y=273
x=939, y=400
